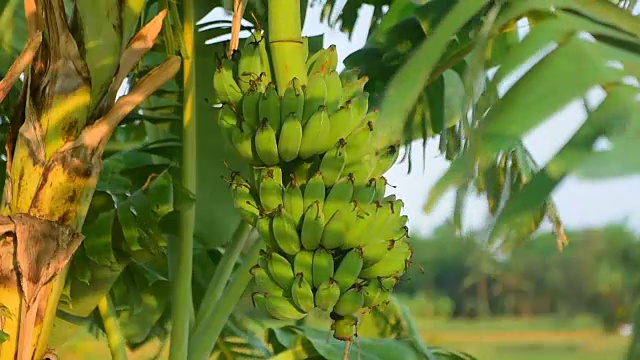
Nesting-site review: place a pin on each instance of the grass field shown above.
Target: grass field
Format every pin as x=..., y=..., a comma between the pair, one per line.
x=525, y=339
x=491, y=339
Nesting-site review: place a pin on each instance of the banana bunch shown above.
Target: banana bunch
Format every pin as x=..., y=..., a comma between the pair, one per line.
x=334, y=241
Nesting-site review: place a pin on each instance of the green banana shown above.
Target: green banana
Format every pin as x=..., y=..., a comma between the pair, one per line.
x=266, y=63
x=361, y=169
x=224, y=85
x=359, y=107
x=350, y=89
x=258, y=300
x=264, y=282
x=227, y=119
x=333, y=163
x=263, y=226
x=312, y=227
x=290, y=138
x=293, y=200
x=365, y=194
x=347, y=271
x=315, y=129
x=357, y=233
x=322, y=266
x=242, y=141
x=325, y=61
x=375, y=251
x=269, y=107
x=266, y=145
x=281, y=308
x=280, y=270
x=314, y=191
x=244, y=201
x=344, y=329
x=285, y=232
x=315, y=95
x=270, y=192
x=342, y=123
x=250, y=108
x=386, y=158
x=375, y=294
x=302, y=294
x=358, y=141
x=249, y=65
x=293, y=100
x=338, y=226
x=388, y=283
x=334, y=91
x=349, y=303
x=393, y=262
x=327, y=295
x=348, y=76
x=339, y=195
x=381, y=187
x=303, y=263
x=262, y=172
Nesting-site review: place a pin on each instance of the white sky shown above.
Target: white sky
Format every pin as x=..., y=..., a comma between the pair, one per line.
x=580, y=203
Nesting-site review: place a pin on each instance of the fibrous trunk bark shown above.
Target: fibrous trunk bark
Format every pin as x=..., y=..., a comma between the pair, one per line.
x=65, y=116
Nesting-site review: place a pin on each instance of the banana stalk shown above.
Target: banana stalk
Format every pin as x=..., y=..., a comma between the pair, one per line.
x=55, y=155
x=285, y=42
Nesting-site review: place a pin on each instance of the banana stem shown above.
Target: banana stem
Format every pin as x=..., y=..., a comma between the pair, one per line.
x=111, y=327
x=222, y=274
x=181, y=296
x=205, y=338
x=285, y=42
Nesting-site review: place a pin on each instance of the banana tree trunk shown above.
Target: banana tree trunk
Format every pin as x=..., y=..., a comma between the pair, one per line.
x=64, y=118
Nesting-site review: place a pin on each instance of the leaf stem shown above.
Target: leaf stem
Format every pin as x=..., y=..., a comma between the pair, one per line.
x=285, y=42
x=182, y=302
x=206, y=336
x=222, y=273
x=112, y=329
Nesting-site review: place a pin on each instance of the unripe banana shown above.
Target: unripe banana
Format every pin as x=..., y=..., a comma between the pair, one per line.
x=250, y=108
x=342, y=123
x=375, y=251
x=325, y=62
x=375, y=294
x=281, y=308
x=356, y=235
x=327, y=295
x=349, y=303
x=280, y=270
x=315, y=129
x=227, y=119
x=285, y=232
x=312, y=227
x=293, y=201
x=347, y=272
x=393, y=262
x=293, y=100
x=358, y=141
x=258, y=300
x=344, y=329
x=244, y=201
x=264, y=282
x=349, y=76
x=314, y=191
x=350, y=89
x=359, y=107
x=290, y=138
x=241, y=139
x=303, y=263
x=361, y=169
x=386, y=158
x=337, y=227
x=322, y=266
x=266, y=63
x=262, y=172
x=334, y=91
x=249, y=65
x=269, y=107
x=266, y=144
x=315, y=95
x=270, y=192
x=339, y=195
x=365, y=194
x=225, y=87
x=263, y=226
x=381, y=187
x=388, y=283
x=333, y=163
x=302, y=294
